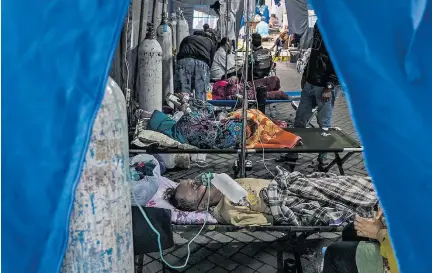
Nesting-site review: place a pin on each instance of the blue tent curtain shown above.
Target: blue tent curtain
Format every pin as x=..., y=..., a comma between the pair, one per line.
x=381, y=52
x=56, y=57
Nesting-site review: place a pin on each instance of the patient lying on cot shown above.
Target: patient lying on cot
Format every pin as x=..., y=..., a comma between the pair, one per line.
x=201, y=129
x=289, y=199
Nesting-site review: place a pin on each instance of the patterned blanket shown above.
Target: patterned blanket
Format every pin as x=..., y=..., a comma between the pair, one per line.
x=319, y=199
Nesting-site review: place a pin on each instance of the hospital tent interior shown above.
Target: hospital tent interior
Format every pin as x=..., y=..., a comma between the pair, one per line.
x=57, y=57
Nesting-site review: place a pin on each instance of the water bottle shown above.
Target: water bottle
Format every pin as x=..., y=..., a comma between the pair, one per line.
x=273, y=112
x=177, y=116
x=229, y=187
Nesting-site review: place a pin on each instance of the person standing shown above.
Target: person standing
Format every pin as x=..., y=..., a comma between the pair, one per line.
x=318, y=87
x=194, y=59
x=224, y=61
x=226, y=24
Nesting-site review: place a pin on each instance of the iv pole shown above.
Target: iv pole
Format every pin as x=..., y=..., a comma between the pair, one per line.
x=227, y=11
x=245, y=96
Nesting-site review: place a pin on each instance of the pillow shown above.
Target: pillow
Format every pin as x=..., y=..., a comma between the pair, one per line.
x=162, y=123
x=148, y=137
x=177, y=216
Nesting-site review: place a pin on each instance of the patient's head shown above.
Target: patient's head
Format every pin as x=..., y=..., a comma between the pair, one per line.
x=190, y=195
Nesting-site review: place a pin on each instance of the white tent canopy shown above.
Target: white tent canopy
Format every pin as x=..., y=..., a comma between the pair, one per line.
x=297, y=13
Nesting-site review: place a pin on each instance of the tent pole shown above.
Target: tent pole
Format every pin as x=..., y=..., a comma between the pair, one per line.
x=226, y=35
x=245, y=95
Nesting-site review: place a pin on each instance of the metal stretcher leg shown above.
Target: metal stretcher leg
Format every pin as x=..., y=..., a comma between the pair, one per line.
x=281, y=246
x=339, y=162
x=237, y=166
x=280, y=260
x=284, y=266
x=139, y=264
x=298, y=249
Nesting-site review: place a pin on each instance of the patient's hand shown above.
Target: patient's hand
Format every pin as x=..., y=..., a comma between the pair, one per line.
x=366, y=227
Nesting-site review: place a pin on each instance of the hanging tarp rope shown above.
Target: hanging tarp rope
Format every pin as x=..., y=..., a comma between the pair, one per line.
x=381, y=52
x=56, y=60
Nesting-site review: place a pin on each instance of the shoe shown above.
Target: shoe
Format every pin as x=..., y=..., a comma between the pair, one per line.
x=248, y=165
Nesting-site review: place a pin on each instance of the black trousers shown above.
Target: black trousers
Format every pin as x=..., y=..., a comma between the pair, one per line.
x=340, y=257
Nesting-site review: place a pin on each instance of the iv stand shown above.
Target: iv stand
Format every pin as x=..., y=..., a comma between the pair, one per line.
x=228, y=7
x=245, y=96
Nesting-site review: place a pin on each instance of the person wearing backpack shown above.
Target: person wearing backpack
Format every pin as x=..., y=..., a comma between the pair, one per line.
x=318, y=87
x=318, y=90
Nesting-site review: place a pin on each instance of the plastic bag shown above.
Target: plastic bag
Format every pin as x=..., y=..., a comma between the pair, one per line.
x=144, y=189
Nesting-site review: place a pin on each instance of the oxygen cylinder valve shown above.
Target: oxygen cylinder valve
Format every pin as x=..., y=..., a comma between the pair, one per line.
x=151, y=33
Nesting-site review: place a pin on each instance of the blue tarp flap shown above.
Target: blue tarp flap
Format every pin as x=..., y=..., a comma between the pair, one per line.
x=381, y=51
x=56, y=57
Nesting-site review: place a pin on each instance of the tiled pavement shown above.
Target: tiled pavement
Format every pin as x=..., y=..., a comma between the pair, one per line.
x=252, y=252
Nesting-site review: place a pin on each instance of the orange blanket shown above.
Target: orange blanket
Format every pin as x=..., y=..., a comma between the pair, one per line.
x=263, y=133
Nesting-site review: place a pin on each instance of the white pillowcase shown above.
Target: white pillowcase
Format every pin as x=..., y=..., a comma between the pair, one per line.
x=177, y=216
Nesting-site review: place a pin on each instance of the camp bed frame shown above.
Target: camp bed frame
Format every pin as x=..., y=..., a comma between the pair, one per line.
x=314, y=140
x=294, y=96
x=293, y=239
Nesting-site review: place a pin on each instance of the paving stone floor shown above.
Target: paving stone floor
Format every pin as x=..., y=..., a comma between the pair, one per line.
x=256, y=251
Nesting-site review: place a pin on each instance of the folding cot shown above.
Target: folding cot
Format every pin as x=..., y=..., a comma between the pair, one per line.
x=314, y=140
x=292, y=239
x=294, y=96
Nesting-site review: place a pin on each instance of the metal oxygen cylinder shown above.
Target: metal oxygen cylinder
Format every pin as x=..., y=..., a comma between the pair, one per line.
x=100, y=230
x=173, y=24
x=157, y=13
x=182, y=28
x=164, y=37
x=150, y=72
x=145, y=15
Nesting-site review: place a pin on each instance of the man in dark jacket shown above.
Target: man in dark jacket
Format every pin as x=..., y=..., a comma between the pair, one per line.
x=194, y=60
x=261, y=61
x=318, y=87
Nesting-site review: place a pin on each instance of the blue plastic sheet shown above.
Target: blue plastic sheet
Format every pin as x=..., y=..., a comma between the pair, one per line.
x=381, y=52
x=56, y=57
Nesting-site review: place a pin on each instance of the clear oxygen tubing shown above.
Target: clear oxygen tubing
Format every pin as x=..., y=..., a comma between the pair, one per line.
x=128, y=177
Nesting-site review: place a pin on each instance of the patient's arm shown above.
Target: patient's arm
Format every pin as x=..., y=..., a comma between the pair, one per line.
x=227, y=213
x=251, y=218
